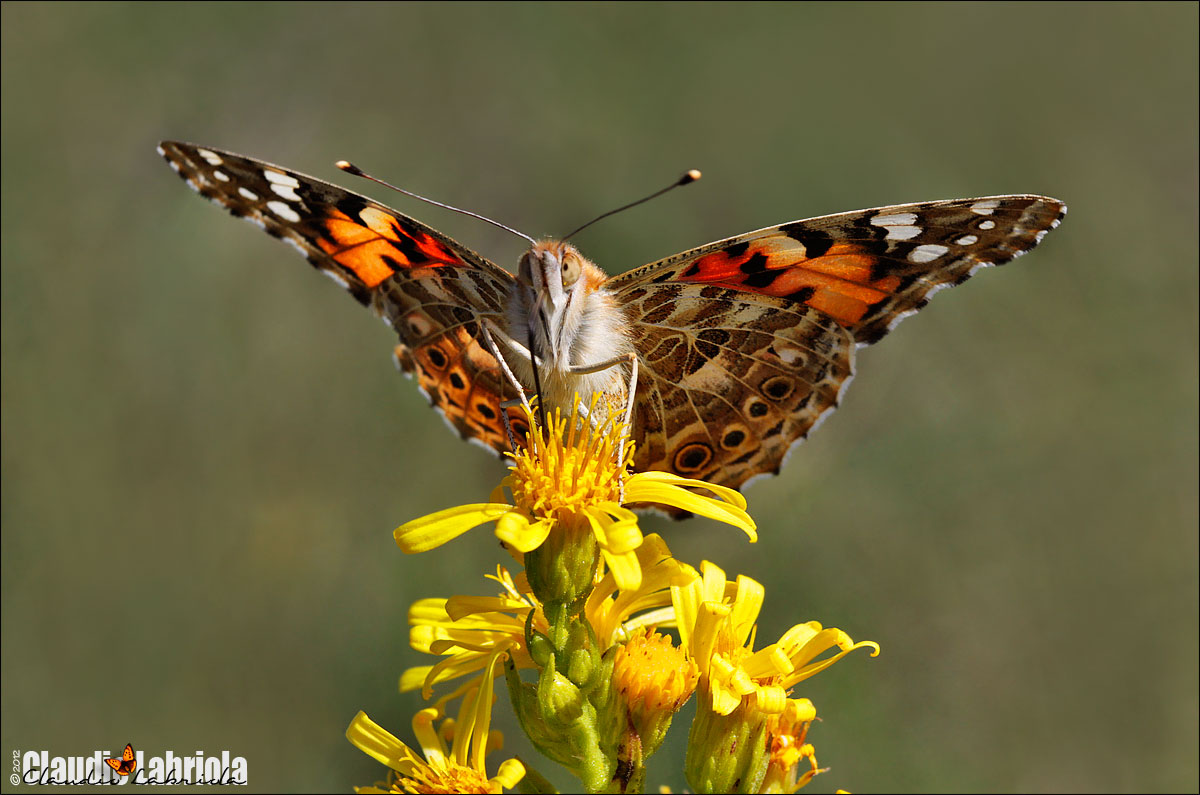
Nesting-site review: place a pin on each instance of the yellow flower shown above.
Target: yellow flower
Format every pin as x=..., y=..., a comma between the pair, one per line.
x=716, y=625
x=434, y=768
x=653, y=678
x=571, y=475
x=744, y=693
x=472, y=633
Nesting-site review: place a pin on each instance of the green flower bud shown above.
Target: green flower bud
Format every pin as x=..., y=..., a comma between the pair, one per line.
x=727, y=753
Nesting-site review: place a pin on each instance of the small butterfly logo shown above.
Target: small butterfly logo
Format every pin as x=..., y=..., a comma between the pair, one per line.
x=127, y=764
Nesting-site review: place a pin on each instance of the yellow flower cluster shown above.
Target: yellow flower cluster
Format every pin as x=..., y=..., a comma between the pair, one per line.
x=582, y=622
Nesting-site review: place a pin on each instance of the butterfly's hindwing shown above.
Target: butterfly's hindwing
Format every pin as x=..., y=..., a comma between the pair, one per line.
x=443, y=349
x=730, y=379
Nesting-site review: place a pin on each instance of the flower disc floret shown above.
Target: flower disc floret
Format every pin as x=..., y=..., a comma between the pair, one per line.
x=571, y=476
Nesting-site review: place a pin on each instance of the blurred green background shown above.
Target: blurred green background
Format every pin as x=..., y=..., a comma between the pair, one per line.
x=206, y=447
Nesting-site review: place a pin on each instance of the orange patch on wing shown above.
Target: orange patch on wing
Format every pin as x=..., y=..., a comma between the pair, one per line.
x=721, y=266
x=434, y=252
x=359, y=249
x=439, y=255
x=369, y=247
x=849, y=262
x=840, y=279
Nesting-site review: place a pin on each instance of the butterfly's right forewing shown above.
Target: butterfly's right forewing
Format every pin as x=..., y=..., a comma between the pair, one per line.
x=747, y=343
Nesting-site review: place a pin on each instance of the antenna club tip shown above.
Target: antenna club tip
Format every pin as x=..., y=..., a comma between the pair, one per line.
x=347, y=166
x=691, y=176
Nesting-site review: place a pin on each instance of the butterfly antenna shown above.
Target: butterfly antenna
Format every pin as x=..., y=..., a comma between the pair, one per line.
x=690, y=176
x=350, y=168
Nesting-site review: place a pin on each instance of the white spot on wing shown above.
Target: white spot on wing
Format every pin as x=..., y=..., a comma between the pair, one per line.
x=296, y=244
x=221, y=176
x=248, y=194
x=987, y=224
x=894, y=219
x=899, y=225
x=967, y=240
x=926, y=253
x=789, y=354
x=903, y=232
x=337, y=277
x=283, y=211
x=935, y=289
x=212, y=158
x=285, y=191
x=985, y=207
x=279, y=178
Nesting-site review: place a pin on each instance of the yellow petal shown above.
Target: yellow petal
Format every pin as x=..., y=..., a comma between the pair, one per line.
x=731, y=496
x=800, y=710
x=427, y=611
x=620, y=525
x=771, y=699
x=815, y=668
x=768, y=662
x=723, y=700
x=422, y=638
x=376, y=741
x=709, y=620
x=431, y=743
x=746, y=606
x=664, y=494
x=459, y=607
x=625, y=569
x=521, y=534
x=414, y=677
x=740, y=683
x=713, y=584
x=510, y=773
x=428, y=532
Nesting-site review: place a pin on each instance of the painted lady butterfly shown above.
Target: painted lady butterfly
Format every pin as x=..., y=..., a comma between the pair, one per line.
x=742, y=346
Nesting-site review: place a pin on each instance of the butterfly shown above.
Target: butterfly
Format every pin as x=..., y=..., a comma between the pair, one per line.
x=741, y=346
x=127, y=764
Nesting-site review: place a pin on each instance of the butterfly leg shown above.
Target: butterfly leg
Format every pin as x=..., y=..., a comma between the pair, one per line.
x=512, y=379
x=495, y=351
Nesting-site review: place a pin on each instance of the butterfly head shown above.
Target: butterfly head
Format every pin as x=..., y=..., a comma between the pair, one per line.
x=560, y=282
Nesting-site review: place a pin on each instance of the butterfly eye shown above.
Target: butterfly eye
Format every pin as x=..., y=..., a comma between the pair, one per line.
x=572, y=267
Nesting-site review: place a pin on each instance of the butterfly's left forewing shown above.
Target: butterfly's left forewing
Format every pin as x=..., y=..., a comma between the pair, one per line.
x=432, y=290
x=747, y=343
